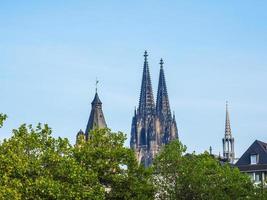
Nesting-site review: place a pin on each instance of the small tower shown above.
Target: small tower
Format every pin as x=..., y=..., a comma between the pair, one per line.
x=174, y=129
x=228, y=140
x=96, y=119
x=80, y=137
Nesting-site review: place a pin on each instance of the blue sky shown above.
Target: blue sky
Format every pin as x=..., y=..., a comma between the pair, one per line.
x=52, y=51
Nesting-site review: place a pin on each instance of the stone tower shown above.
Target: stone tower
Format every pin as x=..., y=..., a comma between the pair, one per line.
x=152, y=125
x=228, y=140
x=96, y=119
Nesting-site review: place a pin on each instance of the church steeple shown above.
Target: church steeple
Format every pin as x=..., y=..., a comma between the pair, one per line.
x=228, y=140
x=228, y=131
x=96, y=119
x=146, y=101
x=162, y=106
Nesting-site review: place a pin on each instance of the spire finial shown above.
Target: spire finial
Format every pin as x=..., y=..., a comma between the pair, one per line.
x=161, y=63
x=145, y=55
x=96, y=84
x=210, y=150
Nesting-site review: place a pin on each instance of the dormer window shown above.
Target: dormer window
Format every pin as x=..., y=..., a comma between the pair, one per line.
x=254, y=159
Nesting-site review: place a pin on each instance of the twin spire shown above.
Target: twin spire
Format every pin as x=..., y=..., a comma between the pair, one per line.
x=152, y=125
x=163, y=105
x=146, y=101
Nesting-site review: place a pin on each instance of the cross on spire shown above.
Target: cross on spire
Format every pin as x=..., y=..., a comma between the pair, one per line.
x=161, y=63
x=145, y=55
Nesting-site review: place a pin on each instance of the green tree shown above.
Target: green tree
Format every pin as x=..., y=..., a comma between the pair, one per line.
x=34, y=165
x=115, y=165
x=2, y=119
x=189, y=176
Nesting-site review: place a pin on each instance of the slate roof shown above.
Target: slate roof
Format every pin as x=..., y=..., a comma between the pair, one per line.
x=96, y=119
x=259, y=148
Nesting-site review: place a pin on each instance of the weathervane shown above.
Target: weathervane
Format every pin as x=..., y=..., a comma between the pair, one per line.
x=96, y=83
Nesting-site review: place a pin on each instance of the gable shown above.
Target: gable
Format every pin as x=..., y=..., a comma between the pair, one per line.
x=259, y=148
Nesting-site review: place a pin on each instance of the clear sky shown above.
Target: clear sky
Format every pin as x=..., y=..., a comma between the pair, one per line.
x=52, y=51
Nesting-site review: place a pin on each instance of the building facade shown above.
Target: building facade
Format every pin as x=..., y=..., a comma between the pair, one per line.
x=254, y=162
x=153, y=125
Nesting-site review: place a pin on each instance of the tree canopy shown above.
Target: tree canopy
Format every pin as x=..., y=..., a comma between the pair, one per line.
x=2, y=119
x=115, y=165
x=34, y=165
x=190, y=176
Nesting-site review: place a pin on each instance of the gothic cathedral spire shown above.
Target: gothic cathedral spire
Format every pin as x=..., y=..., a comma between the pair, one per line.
x=146, y=101
x=152, y=127
x=162, y=107
x=228, y=140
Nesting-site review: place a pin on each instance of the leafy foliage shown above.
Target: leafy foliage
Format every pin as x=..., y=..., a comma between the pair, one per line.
x=2, y=119
x=191, y=176
x=115, y=166
x=34, y=165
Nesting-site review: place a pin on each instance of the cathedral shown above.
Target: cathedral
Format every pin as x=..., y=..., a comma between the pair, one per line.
x=152, y=125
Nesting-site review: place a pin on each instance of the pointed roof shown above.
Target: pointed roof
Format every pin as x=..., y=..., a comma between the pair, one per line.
x=163, y=105
x=146, y=101
x=256, y=148
x=228, y=131
x=96, y=119
x=174, y=129
x=80, y=132
x=80, y=136
x=96, y=100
